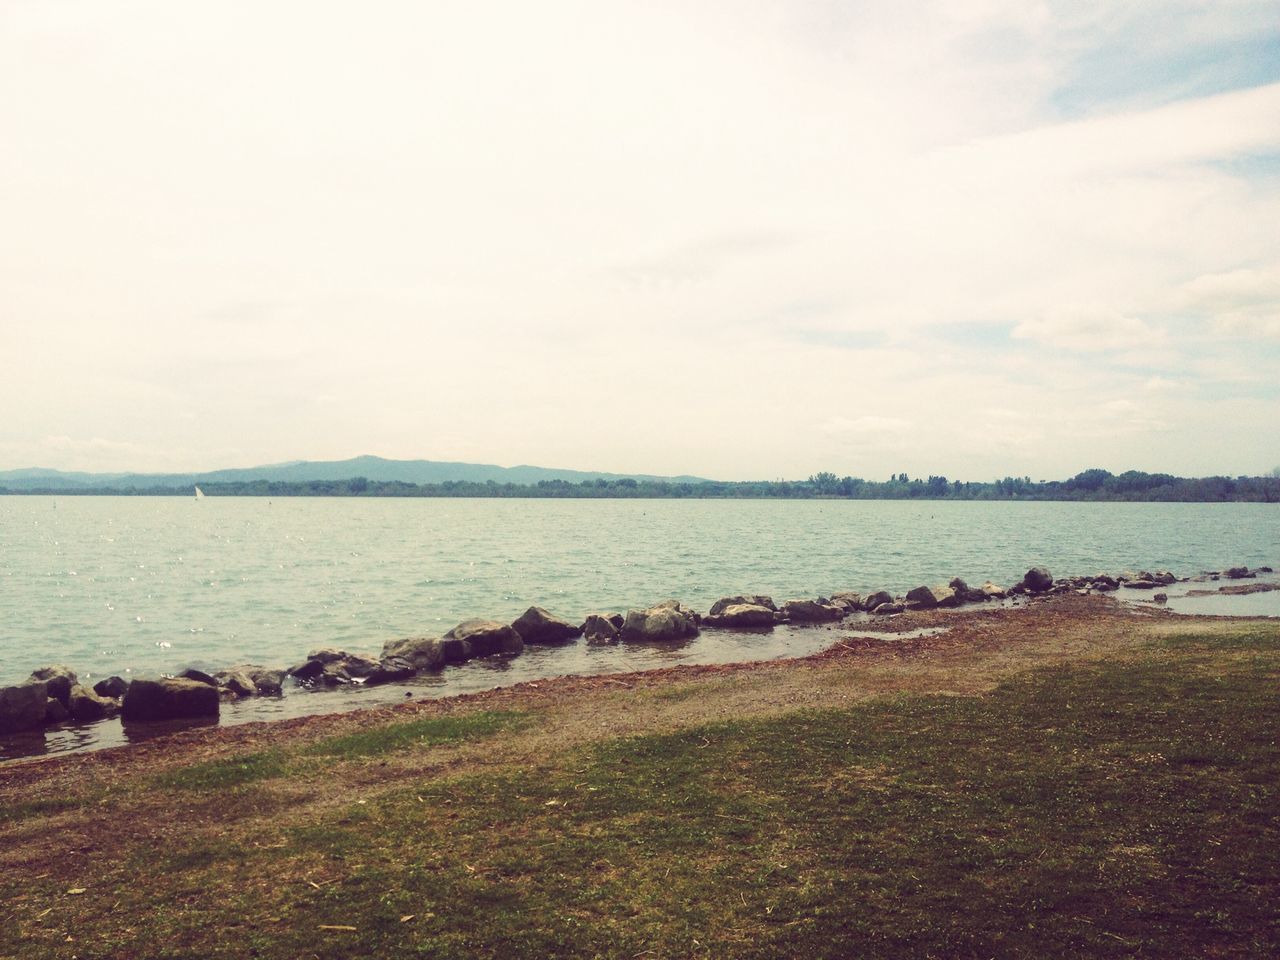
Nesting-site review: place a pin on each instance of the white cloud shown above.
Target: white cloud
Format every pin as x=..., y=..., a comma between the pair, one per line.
x=1089, y=329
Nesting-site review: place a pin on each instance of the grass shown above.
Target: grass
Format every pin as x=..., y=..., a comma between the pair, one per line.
x=427, y=732
x=1128, y=808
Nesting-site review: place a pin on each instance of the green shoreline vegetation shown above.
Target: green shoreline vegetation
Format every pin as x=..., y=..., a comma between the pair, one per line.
x=1124, y=807
x=1093, y=485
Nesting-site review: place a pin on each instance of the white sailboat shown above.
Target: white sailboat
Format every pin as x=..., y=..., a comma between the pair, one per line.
x=199, y=494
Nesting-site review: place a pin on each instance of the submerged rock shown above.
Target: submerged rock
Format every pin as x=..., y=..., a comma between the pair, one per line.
x=488, y=638
x=665, y=623
x=170, y=698
x=391, y=670
x=1232, y=573
x=191, y=673
x=23, y=707
x=536, y=625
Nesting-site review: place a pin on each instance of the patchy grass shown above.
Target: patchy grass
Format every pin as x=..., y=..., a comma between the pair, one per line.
x=223, y=774
x=1127, y=808
x=429, y=731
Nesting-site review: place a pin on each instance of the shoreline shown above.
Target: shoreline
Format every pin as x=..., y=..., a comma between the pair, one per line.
x=410, y=662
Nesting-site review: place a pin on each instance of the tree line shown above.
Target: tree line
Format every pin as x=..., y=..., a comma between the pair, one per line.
x=1089, y=485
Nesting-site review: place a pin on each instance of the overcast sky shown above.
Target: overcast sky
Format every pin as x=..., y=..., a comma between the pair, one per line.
x=743, y=239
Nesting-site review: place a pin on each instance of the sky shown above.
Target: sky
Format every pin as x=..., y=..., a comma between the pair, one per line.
x=751, y=239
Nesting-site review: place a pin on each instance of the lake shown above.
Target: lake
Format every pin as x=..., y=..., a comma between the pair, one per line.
x=146, y=585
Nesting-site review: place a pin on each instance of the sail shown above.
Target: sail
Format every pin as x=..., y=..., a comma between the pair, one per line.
x=199, y=494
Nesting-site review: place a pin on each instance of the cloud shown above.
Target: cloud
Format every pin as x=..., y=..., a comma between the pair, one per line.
x=1089, y=329
x=1242, y=303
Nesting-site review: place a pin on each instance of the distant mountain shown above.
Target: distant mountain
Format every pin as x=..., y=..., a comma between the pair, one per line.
x=300, y=471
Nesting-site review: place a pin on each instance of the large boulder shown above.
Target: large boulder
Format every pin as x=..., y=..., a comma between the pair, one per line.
x=191, y=673
x=424, y=653
x=926, y=598
x=60, y=680
x=535, y=625
x=666, y=623
x=55, y=711
x=23, y=707
x=1232, y=573
x=847, y=600
x=991, y=591
x=1037, y=580
x=811, y=611
x=965, y=593
x=170, y=698
x=1104, y=583
x=86, y=706
x=753, y=600
x=488, y=638
x=741, y=615
x=333, y=668
x=115, y=687
x=600, y=628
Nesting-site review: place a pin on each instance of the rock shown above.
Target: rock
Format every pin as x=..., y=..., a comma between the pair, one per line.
x=455, y=651
x=877, y=598
x=926, y=598
x=741, y=615
x=170, y=698
x=1164, y=578
x=60, y=680
x=1233, y=573
x=87, y=706
x=23, y=707
x=55, y=711
x=847, y=596
x=269, y=682
x=1265, y=570
x=535, y=625
x=599, y=628
x=811, y=611
x=965, y=593
x=757, y=600
x=992, y=592
x=1161, y=598
x=1104, y=584
x=114, y=687
x=665, y=623
x=424, y=653
x=488, y=638
x=391, y=670
x=349, y=668
x=1139, y=584
x=616, y=619
x=1037, y=580
x=197, y=675
x=237, y=682
x=883, y=609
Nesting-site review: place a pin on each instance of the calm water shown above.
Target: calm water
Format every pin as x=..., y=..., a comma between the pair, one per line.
x=118, y=585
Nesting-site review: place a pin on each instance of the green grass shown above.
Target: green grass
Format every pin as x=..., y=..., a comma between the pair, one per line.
x=224, y=774
x=1117, y=810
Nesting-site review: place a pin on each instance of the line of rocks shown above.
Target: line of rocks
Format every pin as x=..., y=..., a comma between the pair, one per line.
x=54, y=694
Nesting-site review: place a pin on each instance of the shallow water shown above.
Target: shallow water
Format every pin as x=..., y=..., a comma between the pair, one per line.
x=139, y=585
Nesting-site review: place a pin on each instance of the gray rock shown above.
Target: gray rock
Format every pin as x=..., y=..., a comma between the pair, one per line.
x=114, y=687
x=877, y=598
x=349, y=668
x=55, y=711
x=238, y=683
x=391, y=670
x=1232, y=573
x=992, y=592
x=23, y=707
x=536, y=625
x=170, y=698
x=1104, y=584
x=87, y=706
x=741, y=615
x=455, y=650
x=1161, y=598
x=599, y=628
x=191, y=673
x=926, y=598
x=488, y=638
x=665, y=623
x=1037, y=580
x=754, y=600
x=424, y=653
x=883, y=609
x=60, y=679
x=1139, y=584
x=811, y=611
